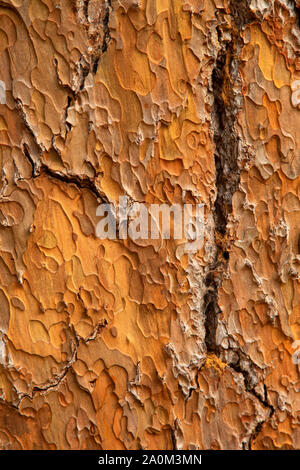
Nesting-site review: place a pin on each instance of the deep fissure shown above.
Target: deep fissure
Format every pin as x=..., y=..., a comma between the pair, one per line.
x=225, y=80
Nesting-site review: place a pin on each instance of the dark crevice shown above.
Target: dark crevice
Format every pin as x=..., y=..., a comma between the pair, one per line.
x=101, y=325
x=212, y=310
x=297, y=13
x=173, y=432
x=254, y=434
x=54, y=384
x=226, y=93
x=226, y=141
x=106, y=31
x=69, y=102
x=56, y=381
x=190, y=392
x=83, y=71
x=31, y=161
x=225, y=87
x=95, y=65
x=20, y=109
x=39, y=167
x=82, y=182
x=64, y=85
x=98, y=32
x=9, y=404
x=250, y=388
x=106, y=37
x=68, y=125
x=58, y=378
x=86, y=9
x=173, y=439
x=241, y=13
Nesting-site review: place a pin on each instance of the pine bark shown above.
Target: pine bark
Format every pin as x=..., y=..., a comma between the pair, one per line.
x=134, y=344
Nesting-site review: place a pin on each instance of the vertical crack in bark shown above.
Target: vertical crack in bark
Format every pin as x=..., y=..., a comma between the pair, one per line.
x=226, y=85
x=226, y=93
x=86, y=9
x=67, y=123
x=297, y=12
x=106, y=30
x=173, y=439
x=106, y=38
x=94, y=15
x=226, y=88
x=259, y=425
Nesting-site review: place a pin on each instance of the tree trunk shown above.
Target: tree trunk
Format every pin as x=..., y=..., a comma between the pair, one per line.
x=137, y=343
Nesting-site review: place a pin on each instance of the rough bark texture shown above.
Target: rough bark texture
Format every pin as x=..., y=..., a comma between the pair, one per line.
x=129, y=345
